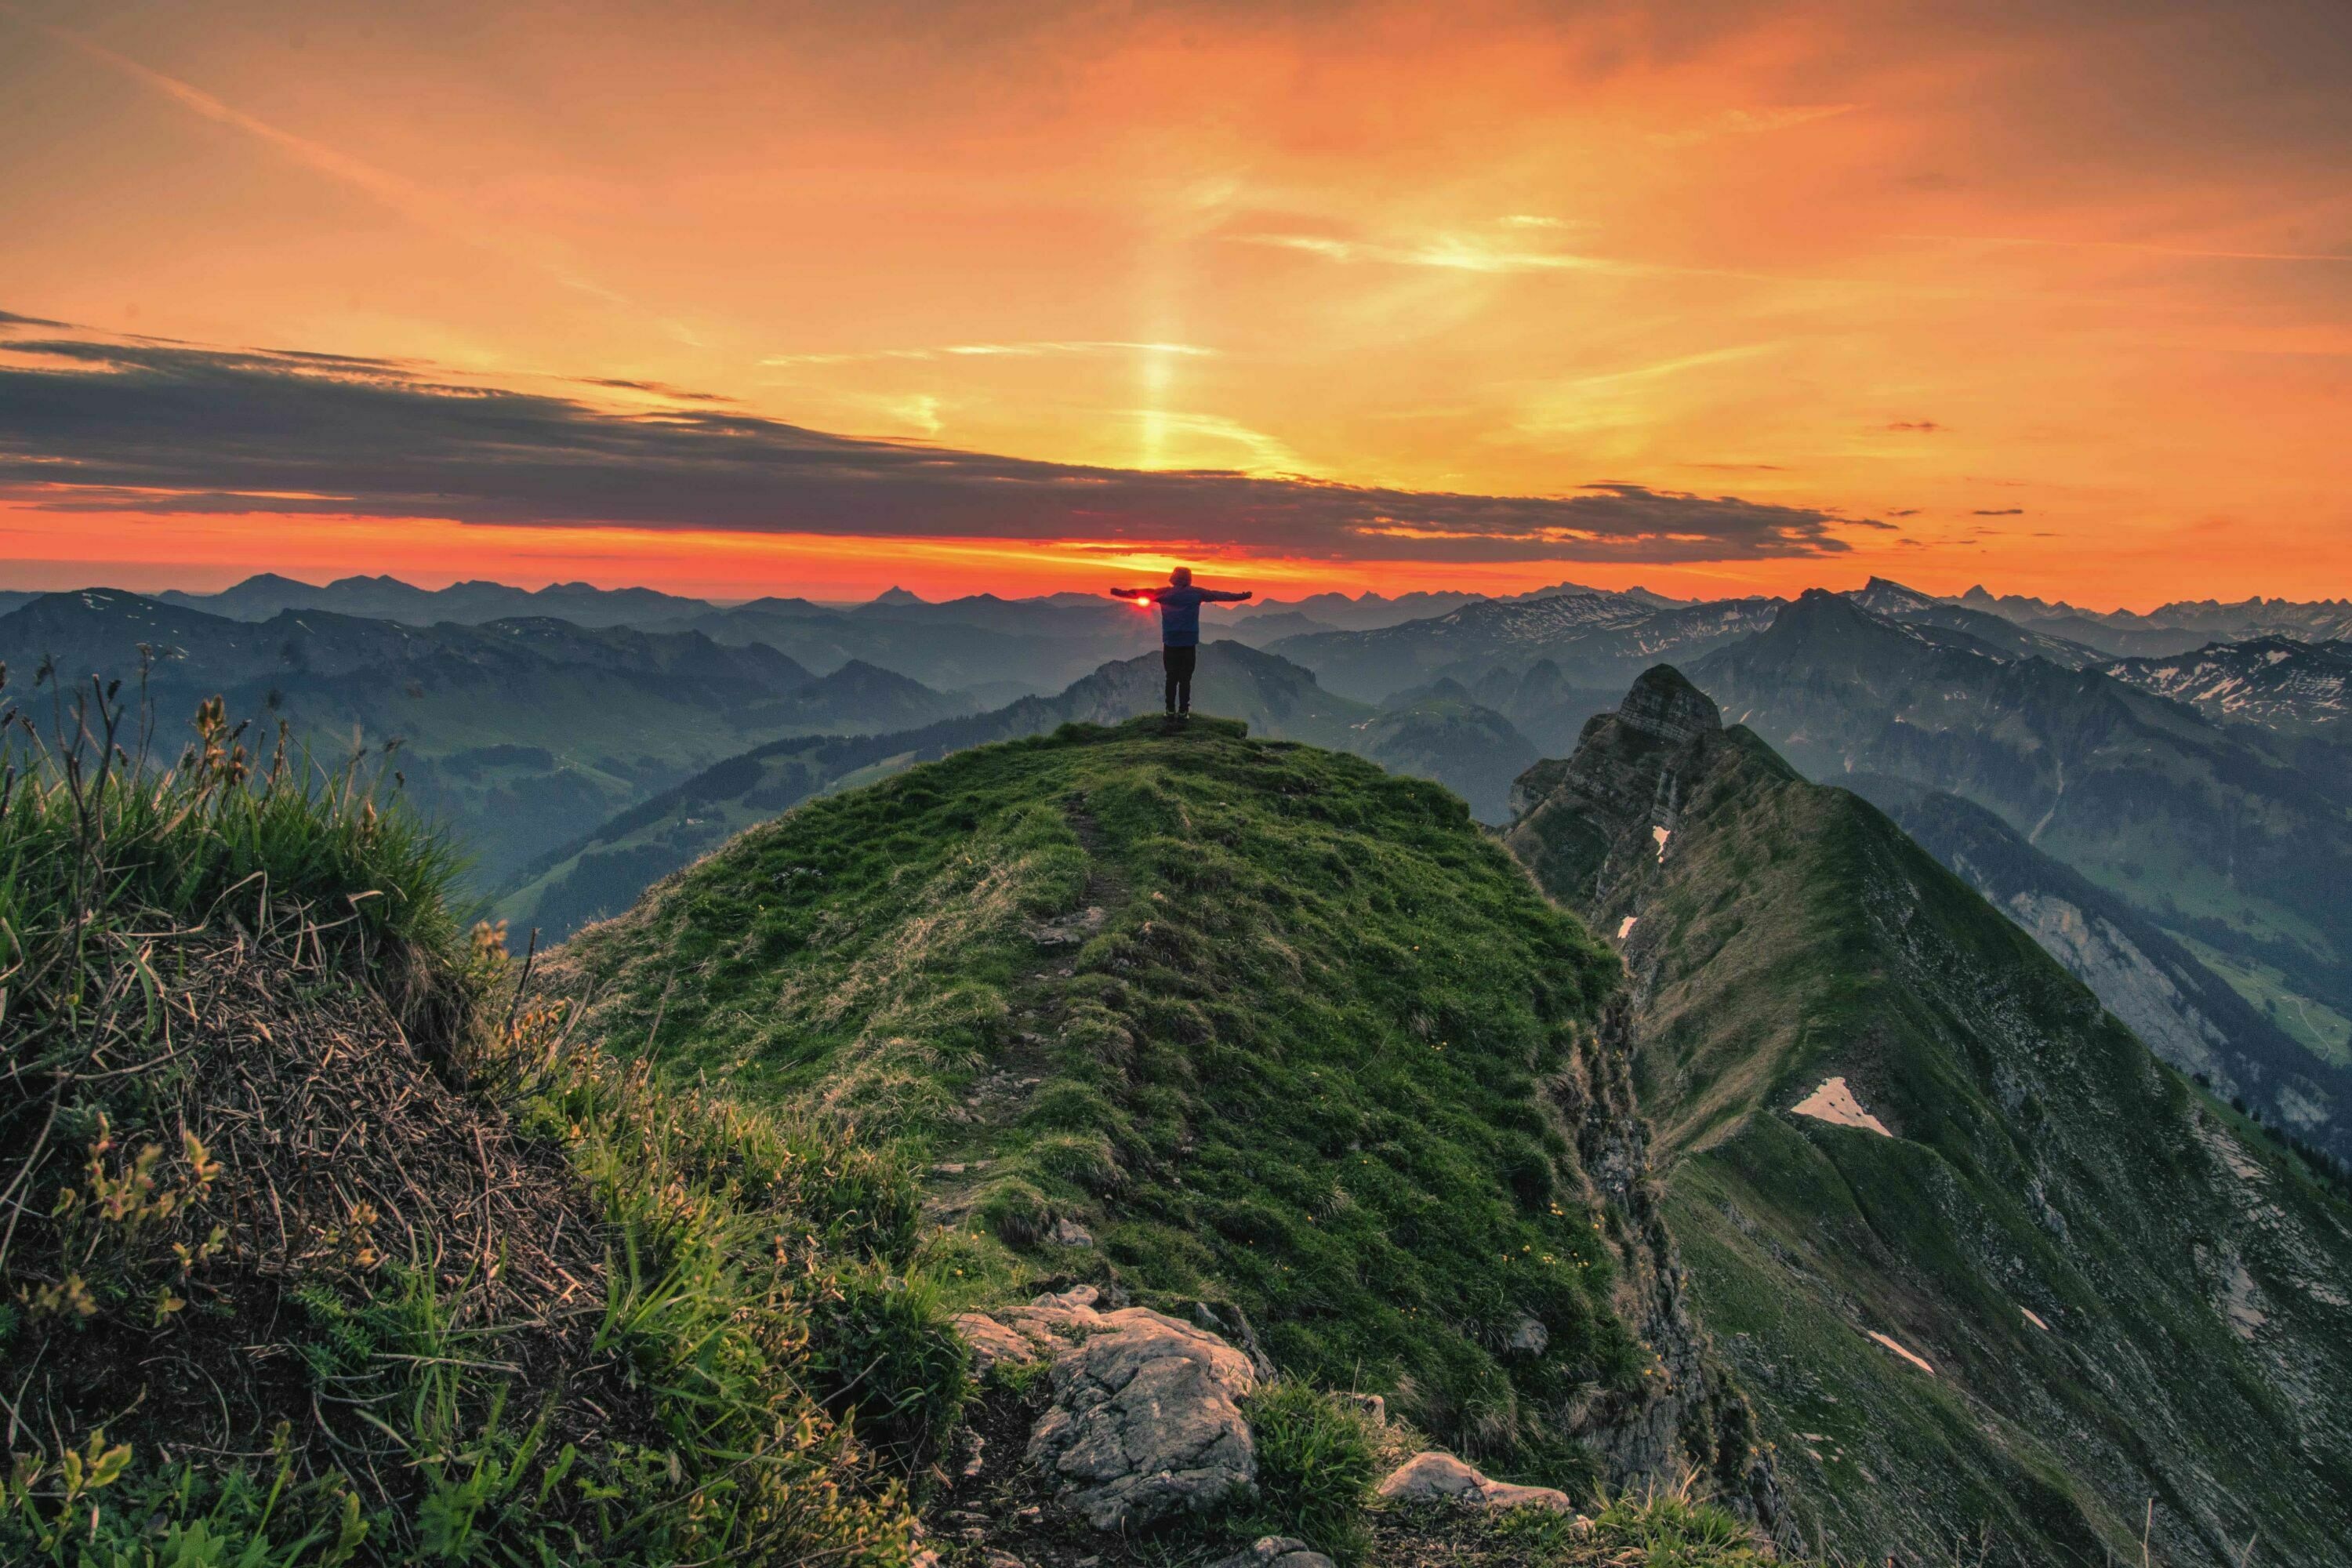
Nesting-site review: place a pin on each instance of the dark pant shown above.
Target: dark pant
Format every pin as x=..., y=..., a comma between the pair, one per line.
x=1178, y=664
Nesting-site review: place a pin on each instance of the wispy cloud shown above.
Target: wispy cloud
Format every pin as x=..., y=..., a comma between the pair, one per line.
x=1917, y=426
x=1601, y=399
x=2190, y=252
x=419, y=204
x=1268, y=455
x=1038, y=350
x=117, y=425
x=1749, y=122
x=1452, y=252
x=653, y=389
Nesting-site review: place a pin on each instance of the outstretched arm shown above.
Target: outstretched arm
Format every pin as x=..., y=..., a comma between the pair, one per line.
x=1134, y=592
x=1224, y=596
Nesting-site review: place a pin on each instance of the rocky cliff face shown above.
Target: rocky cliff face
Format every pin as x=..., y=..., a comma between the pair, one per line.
x=1688, y=1408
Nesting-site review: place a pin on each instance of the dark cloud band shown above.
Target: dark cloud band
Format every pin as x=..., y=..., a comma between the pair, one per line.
x=89, y=424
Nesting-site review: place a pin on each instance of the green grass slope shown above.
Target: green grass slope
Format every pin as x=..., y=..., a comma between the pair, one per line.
x=2182, y=1009
x=325, y=1247
x=1473, y=753
x=1207, y=1020
x=2190, y=1371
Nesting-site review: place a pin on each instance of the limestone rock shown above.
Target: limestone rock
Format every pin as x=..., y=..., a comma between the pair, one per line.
x=1275, y=1552
x=1434, y=1477
x=1528, y=1337
x=994, y=1344
x=1146, y=1421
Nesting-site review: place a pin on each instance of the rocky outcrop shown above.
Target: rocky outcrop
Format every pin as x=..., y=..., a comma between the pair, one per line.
x=1041, y=1331
x=1434, y=1477
x=1687, y=1409
x=1275, y=1552
x=1146, y=1421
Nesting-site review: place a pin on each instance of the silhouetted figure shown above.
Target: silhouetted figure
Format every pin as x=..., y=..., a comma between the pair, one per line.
x=1180, y=630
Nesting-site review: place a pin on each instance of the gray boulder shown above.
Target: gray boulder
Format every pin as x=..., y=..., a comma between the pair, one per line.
x=1434, y=1477
x=1274, y=1551
x=1146, y=1421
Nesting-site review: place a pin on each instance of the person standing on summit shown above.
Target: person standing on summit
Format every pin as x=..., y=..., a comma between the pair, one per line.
x=1180, y=630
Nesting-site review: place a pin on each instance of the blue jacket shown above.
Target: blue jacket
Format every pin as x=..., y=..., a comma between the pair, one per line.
x=1179, y=611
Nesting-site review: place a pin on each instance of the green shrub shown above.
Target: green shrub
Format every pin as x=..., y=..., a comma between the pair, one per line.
x=883, y=1349
x=1018, y=1214
x=1676, y=1531
x=1317, y=1457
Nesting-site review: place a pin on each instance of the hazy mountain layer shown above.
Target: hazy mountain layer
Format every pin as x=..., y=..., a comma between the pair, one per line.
x=521, y=734
x=1592, y=638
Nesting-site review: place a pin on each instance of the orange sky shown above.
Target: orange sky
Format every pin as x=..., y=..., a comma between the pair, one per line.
x=2062, y=293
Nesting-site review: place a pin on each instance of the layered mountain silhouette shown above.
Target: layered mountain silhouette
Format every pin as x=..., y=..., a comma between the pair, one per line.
x=1599, y=639
x=521, y=734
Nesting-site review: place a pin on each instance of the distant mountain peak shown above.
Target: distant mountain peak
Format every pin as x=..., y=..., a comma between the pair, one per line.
x=896, y=595
x=1884, y=595
x=1664, y=704
x=1818, y=610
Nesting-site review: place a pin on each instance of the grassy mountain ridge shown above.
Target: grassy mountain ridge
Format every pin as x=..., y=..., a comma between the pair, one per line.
x=2192, y=1288
x=2215, y=834
x=1273, y=1029
x=1467, y=747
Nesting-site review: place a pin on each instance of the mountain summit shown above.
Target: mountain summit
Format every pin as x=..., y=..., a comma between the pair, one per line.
x=1667, y=707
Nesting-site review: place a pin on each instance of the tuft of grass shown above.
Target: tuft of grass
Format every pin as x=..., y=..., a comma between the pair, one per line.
x=1317, y=1457
x=884, y=1352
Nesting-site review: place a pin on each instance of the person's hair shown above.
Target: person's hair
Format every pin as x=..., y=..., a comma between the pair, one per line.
x=1181, y=576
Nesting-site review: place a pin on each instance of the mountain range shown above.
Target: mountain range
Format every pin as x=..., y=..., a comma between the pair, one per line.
x=1906, y=1122
x=520, y=733
x=587, y=723
x=2213, y=832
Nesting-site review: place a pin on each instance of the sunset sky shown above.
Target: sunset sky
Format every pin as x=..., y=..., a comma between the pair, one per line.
x=736, y=298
